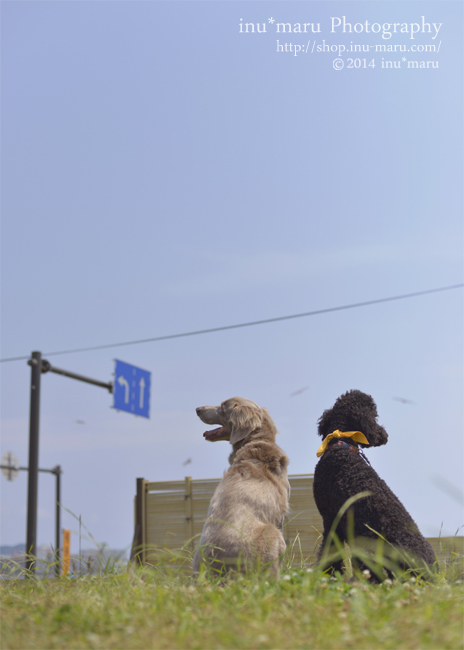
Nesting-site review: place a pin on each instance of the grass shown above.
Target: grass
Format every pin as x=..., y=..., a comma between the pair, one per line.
x=155, y=608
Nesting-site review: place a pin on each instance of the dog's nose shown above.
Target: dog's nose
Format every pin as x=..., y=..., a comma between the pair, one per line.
x=198, y=409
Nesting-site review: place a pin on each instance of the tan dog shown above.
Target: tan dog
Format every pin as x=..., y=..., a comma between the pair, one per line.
x=245, y=517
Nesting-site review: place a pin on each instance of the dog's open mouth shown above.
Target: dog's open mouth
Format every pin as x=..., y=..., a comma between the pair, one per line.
x=214, y=435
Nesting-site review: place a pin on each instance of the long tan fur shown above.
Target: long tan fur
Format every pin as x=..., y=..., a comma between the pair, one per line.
x=245, y=518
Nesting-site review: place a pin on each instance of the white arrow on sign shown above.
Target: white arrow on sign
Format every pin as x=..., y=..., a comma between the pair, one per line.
x=142, y=387
x=123, y=382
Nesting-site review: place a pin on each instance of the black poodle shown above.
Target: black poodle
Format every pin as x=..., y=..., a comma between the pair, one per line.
x=343, y=472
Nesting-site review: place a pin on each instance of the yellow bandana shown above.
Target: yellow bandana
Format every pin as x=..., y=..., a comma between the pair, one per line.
x=356, y=435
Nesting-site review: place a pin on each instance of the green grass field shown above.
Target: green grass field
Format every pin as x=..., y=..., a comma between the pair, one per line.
x=149, y=608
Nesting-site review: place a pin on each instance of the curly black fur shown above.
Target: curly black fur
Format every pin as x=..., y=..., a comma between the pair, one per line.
x=342, y=473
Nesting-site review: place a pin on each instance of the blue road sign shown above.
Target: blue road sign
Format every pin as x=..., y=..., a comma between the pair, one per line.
x=131, y=389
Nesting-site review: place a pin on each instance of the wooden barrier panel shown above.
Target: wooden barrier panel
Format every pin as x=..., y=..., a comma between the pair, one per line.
x=170, y=515
x=202, y=493
x=166, y=525
x=448, y=549
x=303, y=523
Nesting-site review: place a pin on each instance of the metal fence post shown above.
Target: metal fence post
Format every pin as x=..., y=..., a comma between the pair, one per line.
x=144, y=521
x=189, y=510
x=137, y=551
x=57, y=472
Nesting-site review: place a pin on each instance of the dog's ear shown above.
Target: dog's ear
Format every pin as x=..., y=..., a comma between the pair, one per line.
x=244, y=418
x=324, y=423
x=377, y=436
x=367, y=417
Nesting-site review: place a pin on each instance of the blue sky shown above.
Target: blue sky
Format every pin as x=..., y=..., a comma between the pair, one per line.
x=163, y=172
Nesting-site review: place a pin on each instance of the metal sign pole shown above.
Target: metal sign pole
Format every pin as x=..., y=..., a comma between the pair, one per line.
x=141, y=381
x=31, y=535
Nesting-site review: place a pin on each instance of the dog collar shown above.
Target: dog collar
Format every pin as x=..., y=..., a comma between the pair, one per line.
x=357, y=436
x=345, y=445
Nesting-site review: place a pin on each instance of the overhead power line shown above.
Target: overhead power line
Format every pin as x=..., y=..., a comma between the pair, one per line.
x=256, y=322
